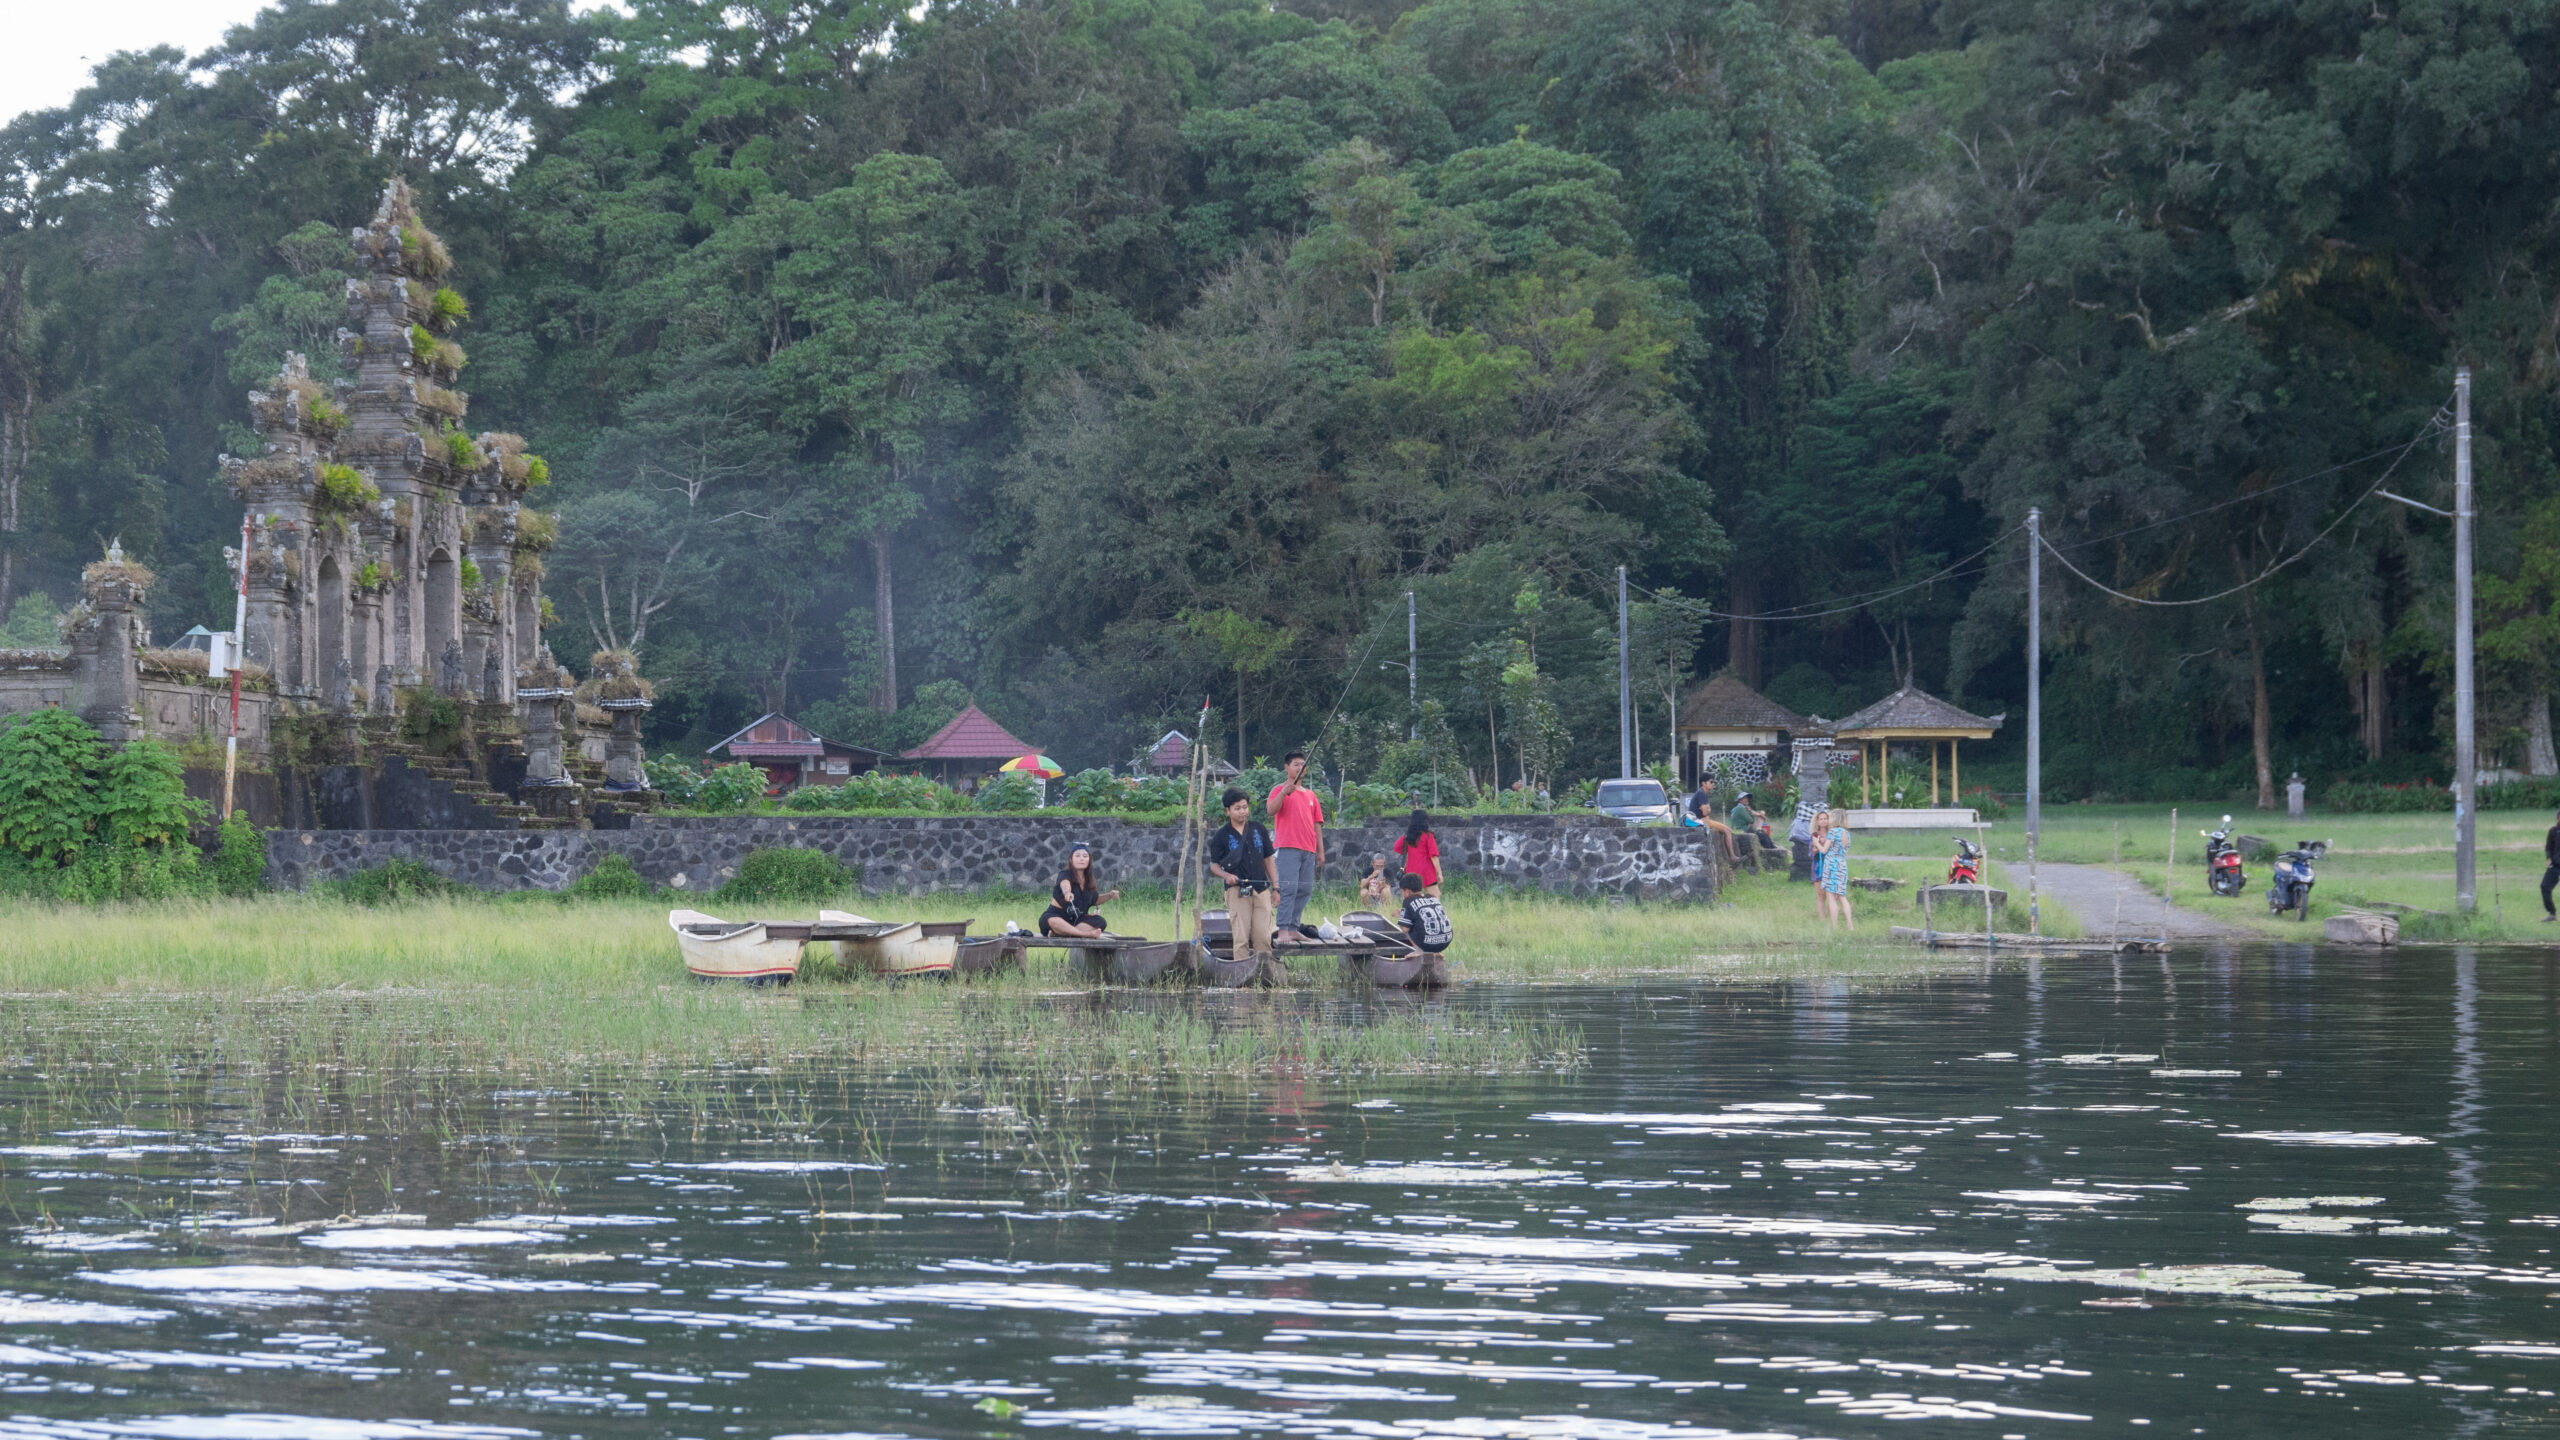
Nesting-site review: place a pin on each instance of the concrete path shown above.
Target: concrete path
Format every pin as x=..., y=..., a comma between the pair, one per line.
x=2090, y=892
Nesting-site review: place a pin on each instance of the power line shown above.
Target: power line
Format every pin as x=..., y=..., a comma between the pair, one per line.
x=2434, y=426
x=1854, y=602
x=2263, y=575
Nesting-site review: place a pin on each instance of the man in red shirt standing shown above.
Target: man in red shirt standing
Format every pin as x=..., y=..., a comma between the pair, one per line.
x=1297, y=827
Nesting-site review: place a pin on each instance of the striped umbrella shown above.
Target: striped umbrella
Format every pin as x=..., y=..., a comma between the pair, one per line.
x=1035, y=765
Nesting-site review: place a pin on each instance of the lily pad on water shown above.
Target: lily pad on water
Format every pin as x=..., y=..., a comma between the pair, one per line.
x=1424, y=1174
x=2295, y=1224
x=2349, y=1139
x=2242, y=1282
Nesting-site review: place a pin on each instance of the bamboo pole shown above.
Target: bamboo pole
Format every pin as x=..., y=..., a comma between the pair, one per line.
x=2169, y=876
x=1182, y=874
x=2115, y=871
x=1990, y=936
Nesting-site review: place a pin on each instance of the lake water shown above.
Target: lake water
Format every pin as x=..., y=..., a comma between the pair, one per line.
x=1942, y=1206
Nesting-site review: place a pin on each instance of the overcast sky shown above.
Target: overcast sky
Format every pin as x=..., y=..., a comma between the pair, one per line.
x=47, y=46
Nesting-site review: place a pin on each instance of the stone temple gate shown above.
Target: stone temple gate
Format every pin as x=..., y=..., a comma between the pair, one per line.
x=395, y=675
x=387, y=545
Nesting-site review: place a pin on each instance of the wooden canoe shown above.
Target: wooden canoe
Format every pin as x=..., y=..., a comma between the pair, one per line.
x=1223, y=971
x=894, y=949
x=752, y=951
x=1221, y=968
x=1139, y=962
x=977, y=955
x=1398, y=970
x=1395, y=964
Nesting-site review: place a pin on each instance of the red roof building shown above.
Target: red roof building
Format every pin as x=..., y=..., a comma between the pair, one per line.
x=792, y=755
x=969, y=744
x=1172, y=756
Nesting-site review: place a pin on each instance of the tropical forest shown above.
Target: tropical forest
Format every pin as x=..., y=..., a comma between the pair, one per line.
x=1325, y=362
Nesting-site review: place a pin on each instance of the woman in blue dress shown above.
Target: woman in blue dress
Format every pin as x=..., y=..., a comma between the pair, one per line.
x=1831, y=867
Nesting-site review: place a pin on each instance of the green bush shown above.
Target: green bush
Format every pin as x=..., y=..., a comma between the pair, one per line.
x=673, y=778
x=611, y=878
x=734, y=786
x=817, y=799
x=240, y=861
x=429, y=720
x=881, y=791
x=1256, y=782
x=2367, y=797
x=47, y=805
x=1006, y=794
x=449, y=308
x=1098, y=790
x=1163, y=792
x=2543, y=794
x=142, y=799
x=130, y=872
x=783, y=875
x=394, y=882
x=1368, y=801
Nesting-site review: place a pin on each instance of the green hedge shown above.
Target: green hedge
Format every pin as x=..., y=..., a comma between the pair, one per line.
x=2420, y=796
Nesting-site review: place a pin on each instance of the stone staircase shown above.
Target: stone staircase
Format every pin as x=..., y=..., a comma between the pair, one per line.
x=384, y=743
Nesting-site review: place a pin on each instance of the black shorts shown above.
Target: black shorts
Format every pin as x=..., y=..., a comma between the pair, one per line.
x=1055, y=913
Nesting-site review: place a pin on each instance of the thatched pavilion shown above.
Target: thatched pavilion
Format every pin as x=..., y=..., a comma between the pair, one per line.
x=1911, y=713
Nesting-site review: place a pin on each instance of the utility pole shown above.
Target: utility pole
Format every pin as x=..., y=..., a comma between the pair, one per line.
x=1412, y=677
x=2466, y=768
x=2035, y=702
x=1626, y=718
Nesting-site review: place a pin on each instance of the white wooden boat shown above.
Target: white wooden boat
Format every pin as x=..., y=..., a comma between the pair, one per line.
x=891, y=947
x=750, y=950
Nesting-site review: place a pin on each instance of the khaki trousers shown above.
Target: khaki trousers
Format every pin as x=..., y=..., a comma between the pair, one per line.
x=1250, y=918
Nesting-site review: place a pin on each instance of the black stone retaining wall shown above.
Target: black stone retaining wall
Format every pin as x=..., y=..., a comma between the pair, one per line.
x=968, y=852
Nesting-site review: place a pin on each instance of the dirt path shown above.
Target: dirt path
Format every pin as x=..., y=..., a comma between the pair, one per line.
x=2091, y=892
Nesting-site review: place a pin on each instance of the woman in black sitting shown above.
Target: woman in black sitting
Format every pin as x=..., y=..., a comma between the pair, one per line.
x=1071, y=911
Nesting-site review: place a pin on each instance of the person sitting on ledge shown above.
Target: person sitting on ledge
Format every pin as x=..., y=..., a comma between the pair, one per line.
x=1071, y=913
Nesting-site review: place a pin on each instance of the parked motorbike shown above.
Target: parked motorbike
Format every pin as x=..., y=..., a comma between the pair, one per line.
x=1967, y=866
x=2222, y=862
x=2292, y=888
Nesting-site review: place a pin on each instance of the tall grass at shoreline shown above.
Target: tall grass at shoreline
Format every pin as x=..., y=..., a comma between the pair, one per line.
x=564, y=949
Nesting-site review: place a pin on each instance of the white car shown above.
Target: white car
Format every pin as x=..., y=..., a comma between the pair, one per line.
x=1638, y=802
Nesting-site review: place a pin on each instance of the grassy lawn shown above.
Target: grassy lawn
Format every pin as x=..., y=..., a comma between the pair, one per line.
x=2406, y=859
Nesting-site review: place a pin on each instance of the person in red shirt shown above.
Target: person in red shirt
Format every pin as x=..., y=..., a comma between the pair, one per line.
x=1297, y=827
x=1420, y=851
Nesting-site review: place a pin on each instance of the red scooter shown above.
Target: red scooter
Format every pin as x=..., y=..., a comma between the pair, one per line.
x=2223, y=871
x=1967, y=867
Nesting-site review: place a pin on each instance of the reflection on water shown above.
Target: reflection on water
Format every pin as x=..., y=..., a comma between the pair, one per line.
x=2242, y=1193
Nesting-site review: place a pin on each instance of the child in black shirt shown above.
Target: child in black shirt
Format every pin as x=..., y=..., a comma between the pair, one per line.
x=1426, y=925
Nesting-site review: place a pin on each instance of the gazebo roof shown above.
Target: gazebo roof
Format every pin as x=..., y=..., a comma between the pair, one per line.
x=1912, y=713
x=970, y=736
x=1725, y=703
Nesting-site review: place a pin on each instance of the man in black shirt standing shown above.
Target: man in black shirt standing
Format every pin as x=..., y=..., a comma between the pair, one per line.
x=2550, y=869
x=1240, y=854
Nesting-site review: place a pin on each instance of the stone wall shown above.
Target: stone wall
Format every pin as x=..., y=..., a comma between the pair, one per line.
x=905, y=856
